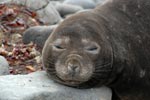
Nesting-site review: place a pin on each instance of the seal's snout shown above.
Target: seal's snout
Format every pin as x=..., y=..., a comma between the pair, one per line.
x=73, y=67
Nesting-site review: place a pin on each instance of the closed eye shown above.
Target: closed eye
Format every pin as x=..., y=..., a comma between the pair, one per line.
x=92, y=49
x=58, y=47
x=90, y=46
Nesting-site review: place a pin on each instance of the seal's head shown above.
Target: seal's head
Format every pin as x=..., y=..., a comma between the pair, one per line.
x=77, y=53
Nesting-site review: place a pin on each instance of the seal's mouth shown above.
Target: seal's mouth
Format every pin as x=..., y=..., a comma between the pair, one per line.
x=72, y=82
x=69, y=82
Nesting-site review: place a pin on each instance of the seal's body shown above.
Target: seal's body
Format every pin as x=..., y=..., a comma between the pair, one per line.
x=108, y=45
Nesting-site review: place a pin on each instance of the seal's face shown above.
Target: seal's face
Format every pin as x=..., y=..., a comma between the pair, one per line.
x=77, y=55
x=74, y=59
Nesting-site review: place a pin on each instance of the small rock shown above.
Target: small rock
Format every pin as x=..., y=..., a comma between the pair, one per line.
x=86, y=4
x=45, y=11
x=38, y=59
x=29, y=3
x=37, y=34
x=99, y=2
x=4, y=1
x=15, y=38
x=65, y=9
x=36, y=4
x=20, y=2
x=37, y=86
x=49, y=15
x=56, y=0
x=4, y=66
x=1, y=36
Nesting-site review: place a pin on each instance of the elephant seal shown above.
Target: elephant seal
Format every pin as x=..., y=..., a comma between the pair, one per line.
x=109, y=45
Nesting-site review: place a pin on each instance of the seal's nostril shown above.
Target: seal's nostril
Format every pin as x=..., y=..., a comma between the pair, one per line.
x=73, y=67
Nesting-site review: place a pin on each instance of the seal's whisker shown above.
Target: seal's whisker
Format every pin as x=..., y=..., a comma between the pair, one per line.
x=104, y=65
x=99, y=77
x=103, y=71
x=103, y=68
x=50, y=62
